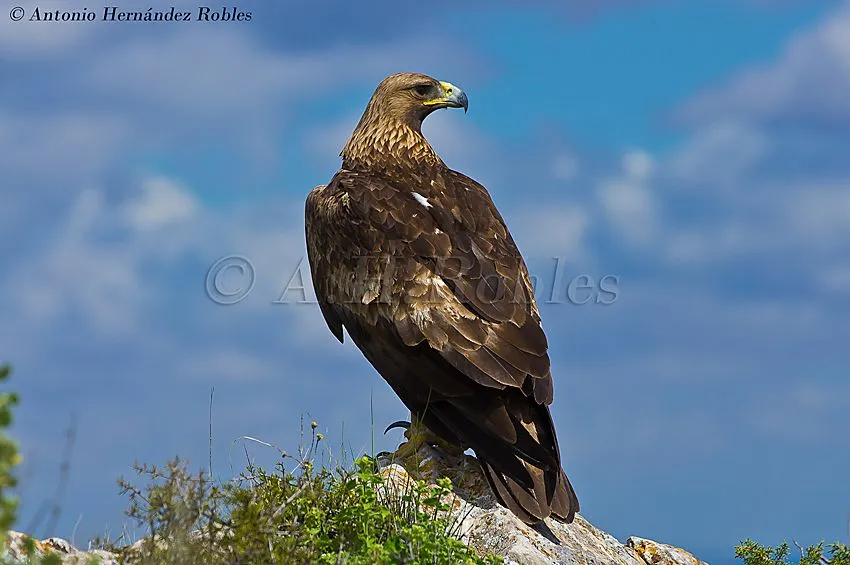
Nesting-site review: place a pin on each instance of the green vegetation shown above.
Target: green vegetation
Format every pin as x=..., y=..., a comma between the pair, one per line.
x=305, y=515
x=753, y=553
x=9, y=458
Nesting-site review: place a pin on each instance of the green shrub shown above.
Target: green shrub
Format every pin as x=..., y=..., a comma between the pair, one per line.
x=9, y=458
x=754, y=553
x=307, y=515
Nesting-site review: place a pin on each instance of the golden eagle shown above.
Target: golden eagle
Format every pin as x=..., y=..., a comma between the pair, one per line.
x=415, y=262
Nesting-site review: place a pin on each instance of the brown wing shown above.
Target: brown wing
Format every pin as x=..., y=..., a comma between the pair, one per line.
x=318, y=237
x=427, y=280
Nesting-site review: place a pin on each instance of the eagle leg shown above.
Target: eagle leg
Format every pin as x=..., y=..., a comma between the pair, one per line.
x=418, y=435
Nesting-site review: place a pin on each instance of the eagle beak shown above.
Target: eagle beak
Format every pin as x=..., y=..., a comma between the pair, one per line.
x=453, y=97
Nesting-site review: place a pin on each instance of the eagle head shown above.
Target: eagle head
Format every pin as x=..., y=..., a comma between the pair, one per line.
x=410, y=97
x=389, y=132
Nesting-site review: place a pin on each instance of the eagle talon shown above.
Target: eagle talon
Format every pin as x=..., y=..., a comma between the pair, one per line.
x=398, y=424
x=417, y=436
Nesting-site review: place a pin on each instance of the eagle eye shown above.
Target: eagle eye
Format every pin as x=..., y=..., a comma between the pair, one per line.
x=424, y=90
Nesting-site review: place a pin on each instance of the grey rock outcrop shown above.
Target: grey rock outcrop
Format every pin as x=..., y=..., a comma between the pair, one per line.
x=490, y=527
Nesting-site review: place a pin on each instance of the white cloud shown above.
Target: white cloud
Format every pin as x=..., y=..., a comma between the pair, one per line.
x=552, y=231
x=96, y=268
x=638, y=164
x=565, y=167
x=162, y=202
x=821, y=214
x=626, y=202
x=192, y=72
x=77, y=275
x=809, y=81
x=712, y=244
x=742, y=211
x=630, y=209
x=717, y=154
x=806, y=221
x=58, y=146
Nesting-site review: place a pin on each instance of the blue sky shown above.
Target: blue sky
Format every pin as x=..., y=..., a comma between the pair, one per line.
x=694, y=150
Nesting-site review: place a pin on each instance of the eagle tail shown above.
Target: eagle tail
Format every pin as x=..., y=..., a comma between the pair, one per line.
x=525, y=474
x=551, y=493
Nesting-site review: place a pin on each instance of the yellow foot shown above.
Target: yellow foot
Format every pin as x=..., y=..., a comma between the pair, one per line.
x=418, y=435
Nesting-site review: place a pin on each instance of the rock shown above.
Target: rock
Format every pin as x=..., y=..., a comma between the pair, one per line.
x=15, y=551
x=661, y=554
x=487, y=526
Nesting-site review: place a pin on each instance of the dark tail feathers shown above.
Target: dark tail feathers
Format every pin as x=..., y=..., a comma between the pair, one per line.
x=551, y=494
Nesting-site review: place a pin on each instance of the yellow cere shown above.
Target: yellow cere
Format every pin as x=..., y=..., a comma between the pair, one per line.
x=448, y=89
